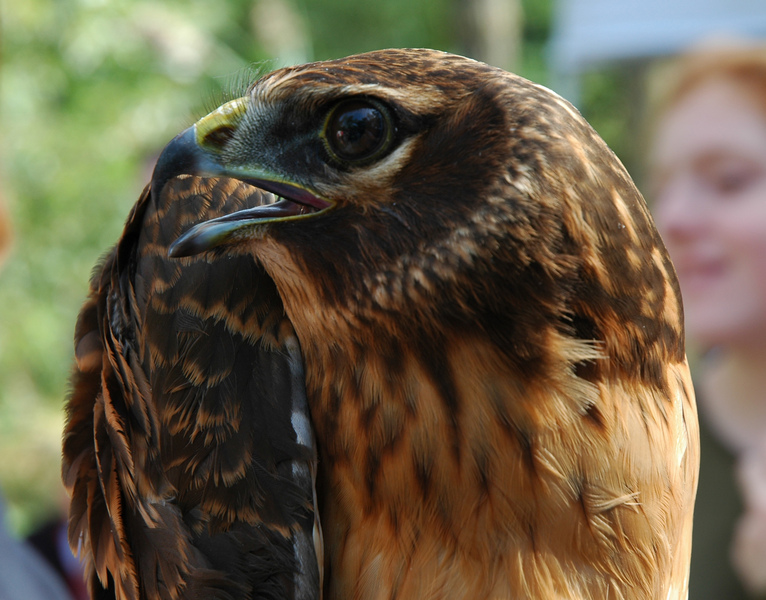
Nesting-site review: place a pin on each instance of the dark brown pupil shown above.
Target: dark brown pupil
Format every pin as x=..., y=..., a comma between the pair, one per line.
x=356, y=130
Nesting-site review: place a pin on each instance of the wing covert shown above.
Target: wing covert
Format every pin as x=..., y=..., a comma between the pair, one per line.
x=188, y=449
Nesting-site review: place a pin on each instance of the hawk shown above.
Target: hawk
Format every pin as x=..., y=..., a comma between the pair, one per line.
x=397, y=325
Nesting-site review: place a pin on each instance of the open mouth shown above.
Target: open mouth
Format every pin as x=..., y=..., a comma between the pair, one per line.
x=292, y=203
x=184, y=155
x=283, y=208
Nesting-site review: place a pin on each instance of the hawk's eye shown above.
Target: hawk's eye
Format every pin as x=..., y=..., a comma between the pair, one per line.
x=357, y=130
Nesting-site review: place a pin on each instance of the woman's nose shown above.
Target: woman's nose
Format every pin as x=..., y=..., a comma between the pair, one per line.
x=680, y=210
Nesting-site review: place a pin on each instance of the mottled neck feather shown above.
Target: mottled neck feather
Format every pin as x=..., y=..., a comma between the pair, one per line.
x=461, y=393
x=411, y=348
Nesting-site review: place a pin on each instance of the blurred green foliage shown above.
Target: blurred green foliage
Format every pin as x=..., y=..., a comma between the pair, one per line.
x=90, y=92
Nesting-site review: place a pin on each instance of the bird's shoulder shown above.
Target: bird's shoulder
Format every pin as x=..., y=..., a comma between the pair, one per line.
x=188, y=432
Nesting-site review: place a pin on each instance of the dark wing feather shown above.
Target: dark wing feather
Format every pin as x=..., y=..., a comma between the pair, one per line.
x=188, y=451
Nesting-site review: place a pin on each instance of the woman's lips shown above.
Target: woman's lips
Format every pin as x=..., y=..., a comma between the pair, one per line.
x=696, y=275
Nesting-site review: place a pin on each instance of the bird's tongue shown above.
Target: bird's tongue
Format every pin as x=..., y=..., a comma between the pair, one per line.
x=289, y=193
x=277, y=210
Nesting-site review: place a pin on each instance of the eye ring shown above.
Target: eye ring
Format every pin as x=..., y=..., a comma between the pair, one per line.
x=358, y=131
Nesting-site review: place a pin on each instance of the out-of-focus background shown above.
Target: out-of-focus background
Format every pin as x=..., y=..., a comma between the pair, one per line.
x=91, y=90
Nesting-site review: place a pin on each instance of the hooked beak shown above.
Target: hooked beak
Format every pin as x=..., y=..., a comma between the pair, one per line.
x=197, y=151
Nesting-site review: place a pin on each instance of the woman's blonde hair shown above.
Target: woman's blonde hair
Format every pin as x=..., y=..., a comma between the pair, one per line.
x=740, y=62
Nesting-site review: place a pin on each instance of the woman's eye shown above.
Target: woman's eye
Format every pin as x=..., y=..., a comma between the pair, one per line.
x=732, y=179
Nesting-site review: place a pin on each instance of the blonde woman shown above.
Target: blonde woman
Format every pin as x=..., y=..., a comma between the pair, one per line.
x=707, y=173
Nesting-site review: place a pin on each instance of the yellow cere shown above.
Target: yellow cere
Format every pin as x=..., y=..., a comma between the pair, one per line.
x=225, y=117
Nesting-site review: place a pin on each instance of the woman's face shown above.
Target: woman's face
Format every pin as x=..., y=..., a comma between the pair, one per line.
x=709, y=182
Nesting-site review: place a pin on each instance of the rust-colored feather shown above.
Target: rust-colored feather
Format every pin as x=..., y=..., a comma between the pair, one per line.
x=187, y=475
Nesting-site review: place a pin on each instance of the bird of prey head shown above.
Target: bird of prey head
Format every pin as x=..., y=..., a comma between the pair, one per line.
x=490, y=326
